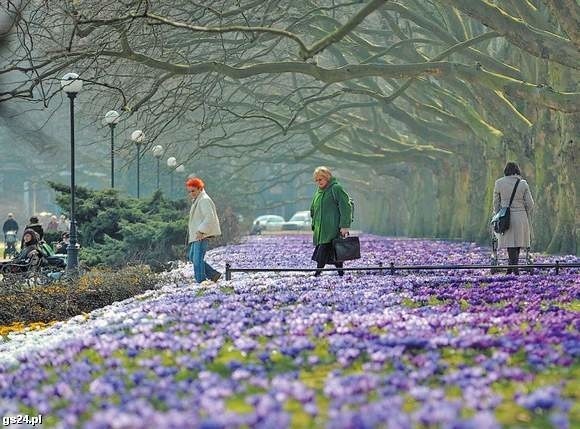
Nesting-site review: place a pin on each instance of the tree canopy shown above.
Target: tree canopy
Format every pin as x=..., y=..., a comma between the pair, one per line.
x=432, y=97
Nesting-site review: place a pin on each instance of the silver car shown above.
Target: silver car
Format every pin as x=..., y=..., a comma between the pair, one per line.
x=267, y=223
x=300, y=221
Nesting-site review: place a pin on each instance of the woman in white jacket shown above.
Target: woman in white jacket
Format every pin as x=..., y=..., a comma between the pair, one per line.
x=203, y=224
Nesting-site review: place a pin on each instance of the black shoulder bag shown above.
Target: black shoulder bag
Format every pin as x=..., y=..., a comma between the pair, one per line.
x=501, y=220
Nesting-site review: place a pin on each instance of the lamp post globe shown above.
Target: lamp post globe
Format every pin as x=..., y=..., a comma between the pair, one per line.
x=171, y=164
x=71, y=84
x=138, y=137
x=112, y=118
x=157, y=153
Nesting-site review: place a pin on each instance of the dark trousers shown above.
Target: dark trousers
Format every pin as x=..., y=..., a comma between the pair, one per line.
x=513, y=258
x=324, y=254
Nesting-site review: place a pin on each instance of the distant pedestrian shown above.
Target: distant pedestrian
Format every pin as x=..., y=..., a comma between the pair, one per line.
x=52, y=224
x=331, y=214
x=63, y=224
x=10, y=224
x=518, y=234
x=203, y=224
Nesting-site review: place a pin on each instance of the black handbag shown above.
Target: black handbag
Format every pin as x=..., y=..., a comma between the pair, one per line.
x=346, y=249
x=501, y=220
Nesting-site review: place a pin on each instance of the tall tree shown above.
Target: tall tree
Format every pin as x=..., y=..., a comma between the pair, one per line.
x=450, y=89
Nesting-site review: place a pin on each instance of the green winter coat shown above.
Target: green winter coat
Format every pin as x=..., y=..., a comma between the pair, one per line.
x=330, y=211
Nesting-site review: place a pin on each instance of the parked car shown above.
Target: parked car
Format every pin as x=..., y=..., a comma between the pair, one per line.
x=298, y=222
x=267, y=223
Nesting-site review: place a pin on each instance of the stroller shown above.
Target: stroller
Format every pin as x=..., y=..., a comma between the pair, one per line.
x=495, y=261
x=10, y=244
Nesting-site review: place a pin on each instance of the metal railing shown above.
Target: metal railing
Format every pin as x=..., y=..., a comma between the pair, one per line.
x=392, y=268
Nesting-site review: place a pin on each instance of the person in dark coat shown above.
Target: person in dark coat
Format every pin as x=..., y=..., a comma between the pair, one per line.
x=10, y=224
x=518, y=234
x=36, y=227
x=331, y=214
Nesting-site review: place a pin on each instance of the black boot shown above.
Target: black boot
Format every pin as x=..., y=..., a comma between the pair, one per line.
x=318, y=272
x=340, y=265
x=513, y=259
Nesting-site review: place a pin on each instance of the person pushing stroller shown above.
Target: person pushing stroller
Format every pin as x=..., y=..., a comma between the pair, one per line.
x=10, y=224
x=10, y=230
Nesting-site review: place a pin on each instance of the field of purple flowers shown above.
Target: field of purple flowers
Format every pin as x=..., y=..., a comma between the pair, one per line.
x=267, y=350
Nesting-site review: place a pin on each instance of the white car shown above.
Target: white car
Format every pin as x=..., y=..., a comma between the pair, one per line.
x=300, y=221
x=267, y=223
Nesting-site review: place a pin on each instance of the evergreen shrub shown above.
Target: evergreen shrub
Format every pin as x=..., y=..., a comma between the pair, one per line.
x=115, y=231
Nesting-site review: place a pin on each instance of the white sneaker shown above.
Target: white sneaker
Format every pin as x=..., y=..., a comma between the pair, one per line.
x=206, y=283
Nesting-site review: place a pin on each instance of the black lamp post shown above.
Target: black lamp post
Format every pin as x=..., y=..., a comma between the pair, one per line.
x=112, y=119
x=137, y=136
x=72, y=85
x=158, y=153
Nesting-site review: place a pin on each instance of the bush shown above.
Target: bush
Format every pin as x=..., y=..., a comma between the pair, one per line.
x=115, y=231
x=51, y=237
x=62, y=300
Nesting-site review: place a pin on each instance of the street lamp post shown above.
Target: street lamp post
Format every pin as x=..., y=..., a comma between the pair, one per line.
x=112, y=119
x=72, y=85
x=158, y=153
x=180, y=168
x=137, y=136
x=171, y=164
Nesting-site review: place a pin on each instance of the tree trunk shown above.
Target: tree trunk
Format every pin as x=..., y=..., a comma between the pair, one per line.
x=445, y=200
x=556, y=158
x=422, y=219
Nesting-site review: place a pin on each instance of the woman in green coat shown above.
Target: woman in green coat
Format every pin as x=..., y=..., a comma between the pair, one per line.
x=331, y=213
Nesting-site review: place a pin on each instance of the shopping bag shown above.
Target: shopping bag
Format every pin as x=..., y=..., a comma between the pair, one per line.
x=346, y=249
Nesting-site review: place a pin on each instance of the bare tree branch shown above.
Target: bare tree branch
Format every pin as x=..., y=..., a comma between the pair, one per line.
x=539, y=43
x=568, y=14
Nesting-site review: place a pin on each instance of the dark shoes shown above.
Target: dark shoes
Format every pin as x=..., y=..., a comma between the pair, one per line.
x=318, y=272
x=216, y=277
x=339, y=265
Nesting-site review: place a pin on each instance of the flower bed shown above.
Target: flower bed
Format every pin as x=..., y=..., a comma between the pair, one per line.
x=464, y=349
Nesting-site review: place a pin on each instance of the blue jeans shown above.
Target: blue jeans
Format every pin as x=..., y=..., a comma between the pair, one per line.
x=201, y=269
